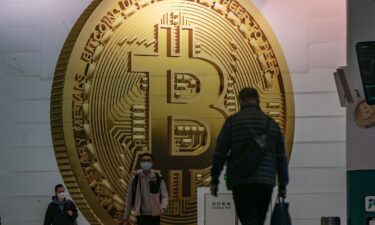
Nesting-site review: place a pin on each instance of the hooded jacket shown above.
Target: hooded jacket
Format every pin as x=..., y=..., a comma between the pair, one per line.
x=56, y=215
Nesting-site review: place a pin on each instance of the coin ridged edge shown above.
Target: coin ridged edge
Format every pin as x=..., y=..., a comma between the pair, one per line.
x=56, y=116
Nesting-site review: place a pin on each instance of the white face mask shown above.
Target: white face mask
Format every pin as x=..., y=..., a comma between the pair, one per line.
x=146, y=165
x=61, y=196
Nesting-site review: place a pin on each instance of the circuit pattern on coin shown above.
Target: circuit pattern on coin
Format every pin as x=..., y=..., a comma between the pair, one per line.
x=159, y=77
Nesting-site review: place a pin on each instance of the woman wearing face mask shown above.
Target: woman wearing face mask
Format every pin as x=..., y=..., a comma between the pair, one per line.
x=61, y=211
x=147, y=195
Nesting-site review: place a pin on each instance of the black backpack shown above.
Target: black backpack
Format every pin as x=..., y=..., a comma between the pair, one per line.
x=248, y=158
x=69, y=207
x=154, y=186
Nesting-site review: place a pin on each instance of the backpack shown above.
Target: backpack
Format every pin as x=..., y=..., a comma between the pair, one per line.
x=247, y=159
x=69, y=207
x=154, y=186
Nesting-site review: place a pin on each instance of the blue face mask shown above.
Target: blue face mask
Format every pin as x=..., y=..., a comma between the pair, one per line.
x=146, y=165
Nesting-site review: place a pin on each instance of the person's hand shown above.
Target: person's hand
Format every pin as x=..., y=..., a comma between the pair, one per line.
x=214, y=189
x=282, y=193
x=162, y=211
x=70, y=212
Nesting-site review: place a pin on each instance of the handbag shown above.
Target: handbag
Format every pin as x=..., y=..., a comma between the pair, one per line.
x=280, y=214
x=247, y=159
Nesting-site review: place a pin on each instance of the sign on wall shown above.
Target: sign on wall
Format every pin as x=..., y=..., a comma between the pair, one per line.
x=160, y=77
x=219, y=210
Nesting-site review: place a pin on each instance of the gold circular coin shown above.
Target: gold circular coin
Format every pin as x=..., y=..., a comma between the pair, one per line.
x=139, y=76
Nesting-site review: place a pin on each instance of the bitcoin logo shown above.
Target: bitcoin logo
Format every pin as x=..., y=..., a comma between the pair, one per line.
x=159, y=77
x=170, y=72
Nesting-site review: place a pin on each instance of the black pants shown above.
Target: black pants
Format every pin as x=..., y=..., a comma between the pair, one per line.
x=251, y=202
x=148, y=220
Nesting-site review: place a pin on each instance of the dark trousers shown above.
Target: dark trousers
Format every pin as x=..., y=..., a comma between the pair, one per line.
x=148, y=220
x=251, y=202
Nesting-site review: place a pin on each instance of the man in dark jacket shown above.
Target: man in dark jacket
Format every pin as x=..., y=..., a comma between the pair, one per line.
x=252, y=192
x=61, y=211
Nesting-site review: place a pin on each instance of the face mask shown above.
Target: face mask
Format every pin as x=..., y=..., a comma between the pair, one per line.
x=61, y=195
x=146, y=165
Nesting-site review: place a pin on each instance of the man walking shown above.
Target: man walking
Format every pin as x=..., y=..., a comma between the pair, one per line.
x=252, y=191
x=147, y=195
x=61, y=211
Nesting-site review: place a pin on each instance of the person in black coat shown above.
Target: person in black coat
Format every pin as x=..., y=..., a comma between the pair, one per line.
x=61, y=211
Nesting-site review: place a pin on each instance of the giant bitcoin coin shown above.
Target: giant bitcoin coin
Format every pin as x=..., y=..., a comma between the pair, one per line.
x=160, y=77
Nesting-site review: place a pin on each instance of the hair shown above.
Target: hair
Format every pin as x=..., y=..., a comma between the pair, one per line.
x=248, y=94
x=58, y=186
x=147, y=154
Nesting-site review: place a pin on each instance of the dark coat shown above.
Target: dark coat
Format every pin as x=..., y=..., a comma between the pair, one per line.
x=252, y=118
x=235, y=134
x=54, y=216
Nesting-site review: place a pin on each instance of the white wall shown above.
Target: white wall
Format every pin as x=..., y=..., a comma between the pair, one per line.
x=311, y=32
x=31, y=36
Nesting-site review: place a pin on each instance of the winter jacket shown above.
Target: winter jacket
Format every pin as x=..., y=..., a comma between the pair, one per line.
x=235, y=135
x=56, y=216
x=149, y=199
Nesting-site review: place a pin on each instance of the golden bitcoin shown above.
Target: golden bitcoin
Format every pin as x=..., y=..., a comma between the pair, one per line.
x=153, y=76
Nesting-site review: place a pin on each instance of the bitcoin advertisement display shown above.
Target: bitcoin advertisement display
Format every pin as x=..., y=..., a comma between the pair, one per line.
x=159, y=77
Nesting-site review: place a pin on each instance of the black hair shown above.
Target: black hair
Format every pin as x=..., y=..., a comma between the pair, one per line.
x=248, y=93
x=147, y=154
x=58, y=186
